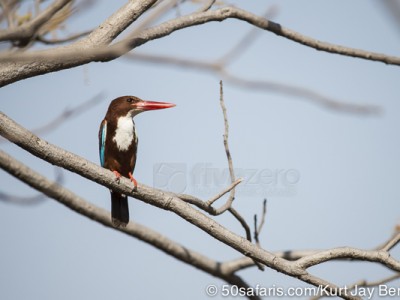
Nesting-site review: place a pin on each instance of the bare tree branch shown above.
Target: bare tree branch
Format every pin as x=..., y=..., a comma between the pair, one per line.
x=67, y=114
x=306, y=93
x=228, y=204
x=392, y=7
x=258, y=228
x=159, y=9
x=392, y=242
x=31, y=200
x=379, y=256
x=262, y=85
x=204, y=204
x=20, y=200
x=116, y=23
x=382, y=281
x=207, y=205
x=6, y=11
x=364, y=283
x=228, y=153
x=245, y=262
x=222, y=193
x=246, y=41
x=93, y=47
x=206, y=6
x=62, y=158
x=67, y=39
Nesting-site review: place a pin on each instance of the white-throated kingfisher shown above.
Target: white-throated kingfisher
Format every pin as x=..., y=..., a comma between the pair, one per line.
x=118, y=144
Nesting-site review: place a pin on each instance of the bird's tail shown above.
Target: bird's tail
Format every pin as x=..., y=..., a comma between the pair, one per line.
x=119, y=209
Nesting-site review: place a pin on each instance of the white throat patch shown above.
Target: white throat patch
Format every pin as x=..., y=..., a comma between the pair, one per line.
x=125, y=132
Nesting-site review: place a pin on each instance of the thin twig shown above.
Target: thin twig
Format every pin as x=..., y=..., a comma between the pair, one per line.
x=204, y=205
x=206, y=6
x=159, y=10
x=242, y=221
x=245, y=41
x=352, y=253
x=223, y=192
x=42, y=39
x=31, y=200
x=226, y=145
x=364, y=283
x=303, y=92
x=207, y=206
x=228, y=204
x=264, y=213
x=377, y=282
x=392, y=242
x=67, y=114
x=234, y=182
x=6, y=12
x=263, y=85
x=258, y=228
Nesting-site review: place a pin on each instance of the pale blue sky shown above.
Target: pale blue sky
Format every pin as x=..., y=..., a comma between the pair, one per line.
x=347, y=166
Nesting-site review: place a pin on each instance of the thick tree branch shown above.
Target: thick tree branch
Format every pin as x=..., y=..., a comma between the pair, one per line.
x=116, y=24
x=62, y=158
x=92, y=48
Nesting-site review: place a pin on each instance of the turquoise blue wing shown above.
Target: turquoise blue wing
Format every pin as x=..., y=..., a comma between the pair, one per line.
x=102, y=141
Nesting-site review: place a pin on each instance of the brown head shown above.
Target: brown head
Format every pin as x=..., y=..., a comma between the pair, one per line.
x=122, y=106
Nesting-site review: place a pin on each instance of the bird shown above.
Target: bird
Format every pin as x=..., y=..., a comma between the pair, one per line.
x=118, y=143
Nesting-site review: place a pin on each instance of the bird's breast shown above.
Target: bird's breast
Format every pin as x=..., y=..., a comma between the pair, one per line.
x=125, y=134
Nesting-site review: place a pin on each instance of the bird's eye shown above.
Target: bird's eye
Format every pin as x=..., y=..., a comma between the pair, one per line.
x=129, y=99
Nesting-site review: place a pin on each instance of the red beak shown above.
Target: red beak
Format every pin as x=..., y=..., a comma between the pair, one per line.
x=152, y=105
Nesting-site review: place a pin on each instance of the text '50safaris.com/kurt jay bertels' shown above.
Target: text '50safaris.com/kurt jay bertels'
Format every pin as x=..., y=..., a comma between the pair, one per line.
x=367, y=292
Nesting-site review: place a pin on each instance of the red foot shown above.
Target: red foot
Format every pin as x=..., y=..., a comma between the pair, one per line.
x=133, y=180
x=117, y=175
